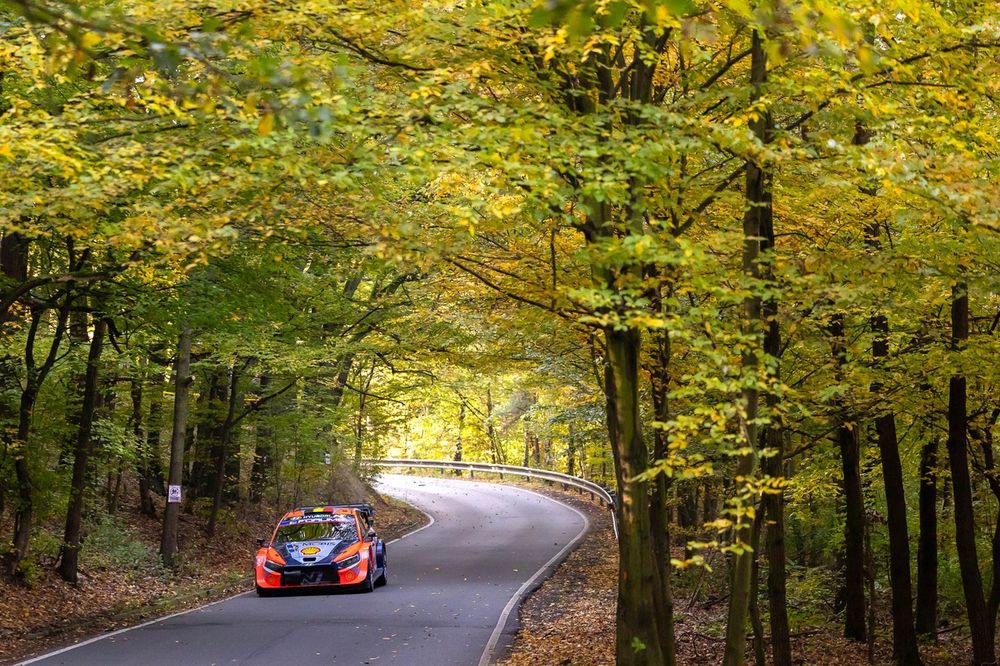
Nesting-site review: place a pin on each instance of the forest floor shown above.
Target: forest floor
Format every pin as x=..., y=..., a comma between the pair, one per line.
x=119, y=591
x=570, y=619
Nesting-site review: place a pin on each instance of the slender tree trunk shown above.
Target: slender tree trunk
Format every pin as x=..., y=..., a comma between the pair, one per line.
x=25, y=488
x=458, y=438
x=69, y=556
x=985, y=437
x=34, y=377
x=146, y=452
x=927, y=554
x=76, y=336
x=263, y=454
x=904, y=638
x=182, y=387
x=759, y=656
x=219, y=485
x=753, y=225
x=849, y=445
x=571, y=452
x=202, y=451
x=359, y=427
x=965, y=528
x=710, y=502
x=116, y=491
x=154, y=434
x=870, y=586
x=495, y=452
x=774, y=440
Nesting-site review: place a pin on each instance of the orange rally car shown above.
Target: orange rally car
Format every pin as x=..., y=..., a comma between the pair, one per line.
x=317, y=546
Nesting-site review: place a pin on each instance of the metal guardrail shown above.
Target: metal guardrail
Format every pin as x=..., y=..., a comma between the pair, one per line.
x=565, y=480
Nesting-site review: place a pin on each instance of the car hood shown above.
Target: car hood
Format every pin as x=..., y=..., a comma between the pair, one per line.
x=324, y=552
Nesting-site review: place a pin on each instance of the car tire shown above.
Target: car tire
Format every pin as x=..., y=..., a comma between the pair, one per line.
x=368, y=585
x=266, y=591
x=384, y=578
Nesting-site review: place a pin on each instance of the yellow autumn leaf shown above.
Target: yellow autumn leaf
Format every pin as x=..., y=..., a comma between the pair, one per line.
x=89, y=40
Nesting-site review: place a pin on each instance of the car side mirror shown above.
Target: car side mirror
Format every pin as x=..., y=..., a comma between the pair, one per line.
x=372, y=533
x=262, y=543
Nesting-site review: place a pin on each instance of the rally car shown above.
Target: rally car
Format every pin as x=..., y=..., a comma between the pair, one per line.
x=322, y=546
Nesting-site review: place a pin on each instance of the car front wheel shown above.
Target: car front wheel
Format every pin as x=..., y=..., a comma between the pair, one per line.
x=369, y=583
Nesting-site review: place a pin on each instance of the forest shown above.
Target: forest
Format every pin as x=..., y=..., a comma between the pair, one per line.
x=738, y=260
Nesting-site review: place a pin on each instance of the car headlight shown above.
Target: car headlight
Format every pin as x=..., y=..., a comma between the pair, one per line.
x=349, y=562
x=273, y=560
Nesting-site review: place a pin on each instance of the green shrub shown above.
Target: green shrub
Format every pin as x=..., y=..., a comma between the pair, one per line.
x=110, y=544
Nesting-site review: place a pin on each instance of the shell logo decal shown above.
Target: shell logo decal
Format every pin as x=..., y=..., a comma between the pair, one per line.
x=309, y=550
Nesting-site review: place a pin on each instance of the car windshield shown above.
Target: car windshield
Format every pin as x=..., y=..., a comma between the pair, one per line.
x=316, y=530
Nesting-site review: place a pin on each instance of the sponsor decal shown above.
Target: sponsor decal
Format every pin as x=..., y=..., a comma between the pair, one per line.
x=306, y=519
x=317, y=551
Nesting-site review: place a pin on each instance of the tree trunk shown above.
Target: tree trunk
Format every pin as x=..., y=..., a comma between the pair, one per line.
x=76, y=335
x=638, y=638
x=571, y=452
x=461, y=426
x=25, y=489
x=753, y=225
x=69, y=556
x=203, y=449
x=773, y=439
x=527, y=445
x=759, y=656
x=34, y=377
x=985, y=437
x=182, y=387
x=854, y=507
x=116, y=490
x=219, y=485
x=496, y=453
x=965, y=528
x=146, y=451
x=904, y=638
x=263, y=454
x=927, y=554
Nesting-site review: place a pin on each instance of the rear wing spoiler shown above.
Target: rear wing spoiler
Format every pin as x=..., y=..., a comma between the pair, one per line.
x=365, y=508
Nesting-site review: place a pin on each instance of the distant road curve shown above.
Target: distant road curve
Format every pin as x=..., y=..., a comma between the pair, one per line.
x=453, y=588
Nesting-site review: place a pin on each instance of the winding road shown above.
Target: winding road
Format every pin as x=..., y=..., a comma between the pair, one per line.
x=454, y=586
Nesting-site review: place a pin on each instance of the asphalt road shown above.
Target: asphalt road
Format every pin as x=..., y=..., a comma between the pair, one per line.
x=452, y=594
